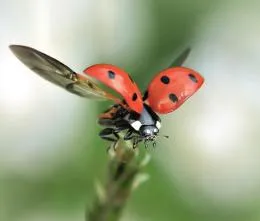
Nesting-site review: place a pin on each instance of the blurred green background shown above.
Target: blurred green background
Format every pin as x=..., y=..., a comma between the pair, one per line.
x=50, y=153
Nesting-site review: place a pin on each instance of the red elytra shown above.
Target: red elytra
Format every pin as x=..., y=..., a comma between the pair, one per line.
x=120, y=81
x=172, y=87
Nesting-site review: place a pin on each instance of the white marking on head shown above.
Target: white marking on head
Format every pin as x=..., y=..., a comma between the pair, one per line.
x=136, y=125
x=158, y=124
x=147, y=131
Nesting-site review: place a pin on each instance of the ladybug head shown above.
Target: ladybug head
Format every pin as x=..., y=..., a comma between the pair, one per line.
x=149, y=132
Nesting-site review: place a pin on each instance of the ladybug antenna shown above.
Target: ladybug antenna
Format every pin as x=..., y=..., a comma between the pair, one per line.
x=166, y=136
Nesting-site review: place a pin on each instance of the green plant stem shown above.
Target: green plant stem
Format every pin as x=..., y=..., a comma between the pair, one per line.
x=123, y=167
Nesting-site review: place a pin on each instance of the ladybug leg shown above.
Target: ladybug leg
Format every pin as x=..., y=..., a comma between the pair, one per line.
x=109, y=134
x=107, y=122
x=129, y=135
x=136, y=141
x=113, y=145
x=121, y=125
x=116, y=122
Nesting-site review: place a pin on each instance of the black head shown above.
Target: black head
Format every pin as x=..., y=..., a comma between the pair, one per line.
x=147, y=124
x=149, y=132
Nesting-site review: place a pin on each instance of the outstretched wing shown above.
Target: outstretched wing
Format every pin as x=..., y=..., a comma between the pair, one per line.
x=58, y=73
x=173, y=86
x=181, y=58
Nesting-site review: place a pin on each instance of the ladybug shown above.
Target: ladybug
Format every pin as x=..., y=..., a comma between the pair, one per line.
x=135, y=114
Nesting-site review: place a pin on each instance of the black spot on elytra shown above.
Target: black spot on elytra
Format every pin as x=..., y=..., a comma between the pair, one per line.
x=193, y=78
x=134, y=97
x=111, y=74
x=145, y=95
x=173, y=97
x=165, y=79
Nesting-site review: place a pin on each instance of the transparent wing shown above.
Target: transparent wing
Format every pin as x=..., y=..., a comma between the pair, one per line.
x=181, y=58
x=58, y=73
